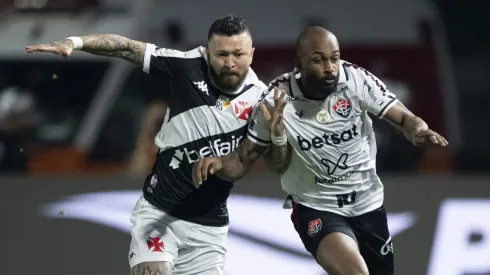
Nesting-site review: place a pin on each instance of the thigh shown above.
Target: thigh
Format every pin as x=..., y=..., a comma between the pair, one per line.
x=375, y=241
x=152, y=268
x=203, y=251
x=313, y=226
x=339, y=254
x=330, y=239
x=153, y=236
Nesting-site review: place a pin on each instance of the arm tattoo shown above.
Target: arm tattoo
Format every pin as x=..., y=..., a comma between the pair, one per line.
x=237, y=164
x=278, y=158
x=115, y=46
x=152, y=268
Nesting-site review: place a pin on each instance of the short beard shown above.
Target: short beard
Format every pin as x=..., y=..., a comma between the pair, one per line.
x=227, y=88
x=315, y=90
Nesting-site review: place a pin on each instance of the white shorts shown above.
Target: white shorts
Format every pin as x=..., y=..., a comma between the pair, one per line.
x=192, y=248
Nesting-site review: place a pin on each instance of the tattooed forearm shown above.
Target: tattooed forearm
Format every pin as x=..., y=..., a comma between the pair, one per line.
x=115, y=46
x=152, y=268
x=237, y=164
x=278, y=158
x=233, y=169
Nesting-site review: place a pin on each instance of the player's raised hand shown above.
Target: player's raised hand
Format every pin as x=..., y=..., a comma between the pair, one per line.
x=202, y=167
x=63, y=47
x=274, y=118
x=428, y=137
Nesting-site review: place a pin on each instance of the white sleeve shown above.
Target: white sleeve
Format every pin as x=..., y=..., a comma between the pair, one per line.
x=376, y=98
x=258, y=132
x=166, y=62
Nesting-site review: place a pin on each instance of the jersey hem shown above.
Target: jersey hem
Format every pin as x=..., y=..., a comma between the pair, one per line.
x=207, y=220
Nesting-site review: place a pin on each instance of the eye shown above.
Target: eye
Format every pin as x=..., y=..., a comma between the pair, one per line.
x=317, y=60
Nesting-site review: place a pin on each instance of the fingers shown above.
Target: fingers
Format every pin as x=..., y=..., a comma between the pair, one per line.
x=59, y=49
x=432, y=137
x=196, y=173
x=202, y=167
x=215, y=167
x=444, y=140
x=279, y=101
x=42, y=48
x=276, y=95
x=265, y=111
x=204, y=170
x=279, y=97
x=440, y=140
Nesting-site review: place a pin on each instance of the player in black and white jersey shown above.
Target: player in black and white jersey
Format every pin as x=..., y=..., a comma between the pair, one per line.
x=321, y=140
x=213, y=90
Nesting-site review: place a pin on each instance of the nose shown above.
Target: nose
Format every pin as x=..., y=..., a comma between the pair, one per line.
x=230, y=62
x=328, y=67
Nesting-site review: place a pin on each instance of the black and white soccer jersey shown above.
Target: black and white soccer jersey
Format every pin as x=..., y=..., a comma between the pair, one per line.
x=333, y=163
x=201, y=121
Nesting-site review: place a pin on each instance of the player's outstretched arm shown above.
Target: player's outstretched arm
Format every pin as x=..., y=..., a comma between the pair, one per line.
x=100, y=44
x=414, y=128
x=231, y=167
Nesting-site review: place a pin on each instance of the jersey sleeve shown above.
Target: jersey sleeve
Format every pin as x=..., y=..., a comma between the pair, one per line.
x=258, y=132
x=161, y=61
x=375, y=96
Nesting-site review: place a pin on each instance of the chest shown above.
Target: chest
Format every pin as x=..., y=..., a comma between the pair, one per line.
x=335, y=122
x=210, y=104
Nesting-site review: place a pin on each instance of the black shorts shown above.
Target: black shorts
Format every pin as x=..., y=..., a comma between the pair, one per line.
x=369, y=230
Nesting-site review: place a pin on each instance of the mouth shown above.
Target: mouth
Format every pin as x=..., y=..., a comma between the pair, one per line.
x=329, y=81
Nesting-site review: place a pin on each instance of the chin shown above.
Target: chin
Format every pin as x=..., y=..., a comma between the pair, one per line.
x=328, y=89
x=231, y=83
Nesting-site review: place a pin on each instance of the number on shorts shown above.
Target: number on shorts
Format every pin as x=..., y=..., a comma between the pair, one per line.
x=346, y=199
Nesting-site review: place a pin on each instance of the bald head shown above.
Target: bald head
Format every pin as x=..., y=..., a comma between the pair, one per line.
x=318, y=60
x=313, y=38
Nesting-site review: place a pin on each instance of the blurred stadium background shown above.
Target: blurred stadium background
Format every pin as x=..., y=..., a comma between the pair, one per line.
x=76, y=134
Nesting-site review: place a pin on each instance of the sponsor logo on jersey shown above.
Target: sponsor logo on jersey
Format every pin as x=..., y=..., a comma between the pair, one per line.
x=372, y=96
x=242, y=110
x=223, y=103
x=332, y=166
x=340, y=89
x=318, y=142
x=215, y=148
x=203, y=86
x=337, y=179
x=293, y=99
x=343, y=107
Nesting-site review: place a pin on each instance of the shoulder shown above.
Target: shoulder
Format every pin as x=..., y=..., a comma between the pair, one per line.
x=282, y=83
x=198, y=52
x=357, y=73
